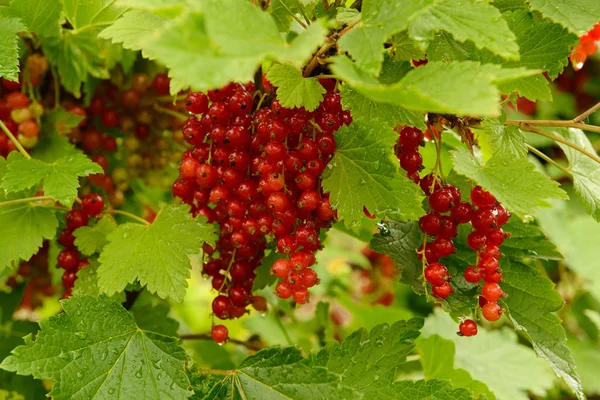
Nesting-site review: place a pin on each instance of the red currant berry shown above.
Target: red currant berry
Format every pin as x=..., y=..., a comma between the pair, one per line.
x=443, y=247
x=220, y=334
x=441, y=200
x=283, y=290
x=68, y=259
x=76, y=219
x=92, y=204
x=442, y=291
x=462, y=212
x=220, y=306
x=66, y=238
x=472, y=274
x=436, y=274
x=309, y=277
x=477, y=241
x=301, y=296
x=281, y=268
x=491, y=311
x=196, y=103
x=481, y=197
x=468, y=328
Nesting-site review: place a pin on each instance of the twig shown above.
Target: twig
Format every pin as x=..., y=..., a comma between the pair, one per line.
x=14, y=140
x=331, y=41
x=173, y=113
x=127, y=214
x=557, y=124
x=559, y=139
x=298, y=20
x=207, y=336
x=215, y=371
x=325, y=77
x=548, y=159
x=25, y=200
x=587, y=113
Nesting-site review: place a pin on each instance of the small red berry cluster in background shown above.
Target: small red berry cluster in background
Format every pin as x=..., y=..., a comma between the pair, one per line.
x=257, y=173
x=440, y=225
x=37, y=278
x=380, y=278
x=20, y=116
x=69, y=258
x=588, y=46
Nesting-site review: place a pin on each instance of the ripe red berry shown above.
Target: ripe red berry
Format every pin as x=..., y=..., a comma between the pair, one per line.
x=468, y=328
x=69, y=278
x=430, y=224
x=411, y=161
x=283, y=290
x=220, y=306
x=436, y=274
x=484, y=219
x=491, y=311
x=66, y=238
x=442, y=291
x=259, y=303
x=301, y=296
x=441, y=200
x=196, y=103
x=92, y=204
x=411, y=138
x=206, y=176
x=76, y=219
x=429, y=184
x=477, y=241
x=309, y=277
x=462, y=212
x=68, y=259
x=220, y=334
x=491, y=276
x=161, y=83
x=472, y=274
x=488, y=263
x=238, y=296
x=281, y=268
x=492, y=292
x=443, y=247
x=481, y=197
x=301, y=259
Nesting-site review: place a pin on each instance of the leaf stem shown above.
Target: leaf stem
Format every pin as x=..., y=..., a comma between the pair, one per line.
x=326, y=77
x=25, y=200
x=207, y=336
x=330, y=42
x=127, y=214
x=56, y=87
x=529, y=128
x=215, y=371
x=285, y=332
x=553, y=123
x=301, y=12
x=298, y=20
x=14, y=140
x=587, y=113
x=173, y=113
x=548, y=159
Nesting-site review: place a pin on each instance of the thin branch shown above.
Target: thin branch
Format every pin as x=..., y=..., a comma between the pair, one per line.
x=173, y=113
x=331, y=41
x=207, y=336
x=298, y=20
x=557, y=124
x=559, y=139
x=215, y=371
x=25, y=200
x=587, y=113
x=302, y=12
x=325, y=77
x=14, y=140
x=127, y=214
x=549, y=160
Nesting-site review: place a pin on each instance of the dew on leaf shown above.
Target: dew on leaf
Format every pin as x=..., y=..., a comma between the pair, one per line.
x=81, y=335
x=111, y=390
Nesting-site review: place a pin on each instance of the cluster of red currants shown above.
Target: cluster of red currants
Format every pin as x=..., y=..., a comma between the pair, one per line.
x=588, y=46
x=36, y=277
x=20, y=116
x=258, y=175
x=447, y=211
x=380, y=278
x=132, y=113
x=69, y=258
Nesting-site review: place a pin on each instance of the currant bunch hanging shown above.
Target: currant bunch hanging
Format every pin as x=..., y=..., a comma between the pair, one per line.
x=587, y=47
x=440, y=225
x=69, y=258
x=257, y=173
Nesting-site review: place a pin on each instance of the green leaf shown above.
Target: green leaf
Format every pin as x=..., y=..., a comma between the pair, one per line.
x=587, y=356
x=293, y=90
x=91, y=239
x=9, y=53
x=528, y=241
x=399, y=240
x=364, y=172
x=209, y=50
x=152, y=314
x=99, y=343
x=403, y=48
x=40, y=16
x=363, y=108
x=23, y=228
x=586, y=172
x=60, y=178
x=91, y=12
x=345, y=15
x=87, y=282
x=532, y=87
x=457, y=88
x=368, y=358
x=526, y=372
x=277, y=373
x=579, y=16
x=465, y=20
x=154, y=255
x=76, y=55
x=437, y=358
x=531, y=302
x=514, y=181
x=417, y=390
x=577, y=240
x=505, y=140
